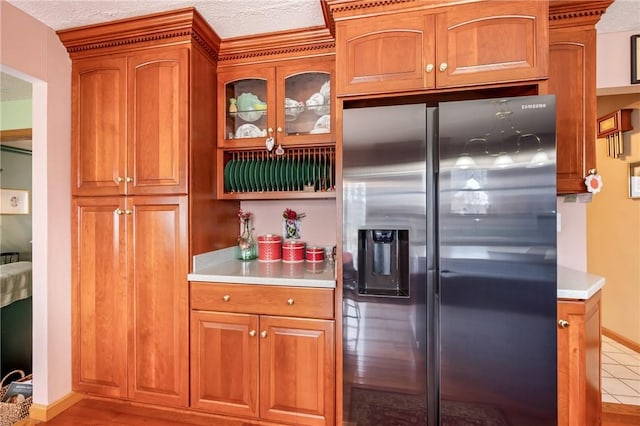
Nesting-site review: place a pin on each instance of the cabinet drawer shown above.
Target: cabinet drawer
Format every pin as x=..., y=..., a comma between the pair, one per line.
x=262, y=299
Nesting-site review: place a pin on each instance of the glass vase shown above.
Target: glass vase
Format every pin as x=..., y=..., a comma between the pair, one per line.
x=247, y=247
x=291, y=229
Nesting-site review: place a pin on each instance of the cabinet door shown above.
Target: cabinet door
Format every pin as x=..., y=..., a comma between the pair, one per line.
x=158, y=122
x=385, y=54
x=99, y=299
x=224, y=363
x=246, y=106
x=492, y=42
x=572, y=78
x=305, y=112
x=98, y=157
x=579, y=390
x=157, y=257
x=297, y=370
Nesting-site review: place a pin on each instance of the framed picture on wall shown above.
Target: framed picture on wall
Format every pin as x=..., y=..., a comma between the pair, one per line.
x=634, y=180
x=635, y=59
x=14, y=201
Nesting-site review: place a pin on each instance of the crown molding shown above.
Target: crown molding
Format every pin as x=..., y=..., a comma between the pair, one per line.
x=572, y=13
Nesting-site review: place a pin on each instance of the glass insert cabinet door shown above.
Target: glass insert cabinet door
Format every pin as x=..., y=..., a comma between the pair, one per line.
x=307, y=104
x=247, y=110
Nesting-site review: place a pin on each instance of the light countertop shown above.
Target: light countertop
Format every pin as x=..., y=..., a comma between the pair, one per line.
x=222, y=266
x=573, y=284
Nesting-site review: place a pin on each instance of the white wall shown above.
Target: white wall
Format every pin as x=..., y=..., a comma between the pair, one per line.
x=572, y=238
x=32, y=51
x=614, y=63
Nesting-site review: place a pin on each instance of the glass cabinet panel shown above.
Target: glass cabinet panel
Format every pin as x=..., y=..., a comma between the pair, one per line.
x=307, y=103
x=246, y=109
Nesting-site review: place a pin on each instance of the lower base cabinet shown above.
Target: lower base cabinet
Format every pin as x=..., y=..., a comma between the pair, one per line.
x=268, y=367
x=579, y=391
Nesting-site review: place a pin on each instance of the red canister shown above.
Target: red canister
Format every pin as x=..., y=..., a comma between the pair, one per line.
x=269, y=248
x=293, y=251
x=315, y=254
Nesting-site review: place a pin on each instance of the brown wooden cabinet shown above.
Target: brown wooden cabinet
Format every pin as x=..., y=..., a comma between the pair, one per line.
x=130, y=123
x=579, y=391
x=572, y=78
x=247, y=362
x=290, y=102
x=129, y=313
x=485, y=42
x=143, y=166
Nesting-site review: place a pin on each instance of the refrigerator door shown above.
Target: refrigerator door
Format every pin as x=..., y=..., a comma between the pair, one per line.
x=386, y=184
x=497, y=260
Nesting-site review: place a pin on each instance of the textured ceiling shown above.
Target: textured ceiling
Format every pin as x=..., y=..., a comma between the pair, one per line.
x=229, y=18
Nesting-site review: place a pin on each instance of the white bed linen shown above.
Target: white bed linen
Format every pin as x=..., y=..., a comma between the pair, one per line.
x=15, y=282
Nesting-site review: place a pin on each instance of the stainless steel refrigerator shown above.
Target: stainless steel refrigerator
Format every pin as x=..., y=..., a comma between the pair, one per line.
x=449, y=263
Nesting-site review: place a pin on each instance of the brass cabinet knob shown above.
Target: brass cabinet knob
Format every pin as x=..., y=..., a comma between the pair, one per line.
x=429, y=68
x=563, y=323
x=128, y=179
x=119, y=212
x=119, y=179
x=226, y=297
x=128, y=212
x=279, y=129
x=443, y=66
x=290, y=301
x=252, y=333
x=263, y=333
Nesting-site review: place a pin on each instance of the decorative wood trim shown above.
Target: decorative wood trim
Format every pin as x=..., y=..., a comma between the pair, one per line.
x=621, y=339
x=165, y=26
x=15, y=135
x=572, y=13
x=620, y=414
x=45, y=413
x=313, y=41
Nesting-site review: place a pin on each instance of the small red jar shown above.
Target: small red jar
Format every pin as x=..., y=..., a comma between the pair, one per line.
x=315, y=254
x=269, y=248
x=293, y=251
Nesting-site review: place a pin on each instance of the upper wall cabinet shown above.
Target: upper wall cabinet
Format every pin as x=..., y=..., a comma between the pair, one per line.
x=290, y=103
x=572, y=78
x=480, y=43
x=130, y=123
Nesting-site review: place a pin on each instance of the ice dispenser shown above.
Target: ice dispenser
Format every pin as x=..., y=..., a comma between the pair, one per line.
x=383, y=262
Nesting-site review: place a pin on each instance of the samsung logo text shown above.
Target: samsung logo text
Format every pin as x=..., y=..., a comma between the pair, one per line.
x=534, y=106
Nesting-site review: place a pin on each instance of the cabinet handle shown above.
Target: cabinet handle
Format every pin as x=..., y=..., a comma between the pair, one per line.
x=128, y=179
x=226, y=297
x=290, y=301
x=429, y=68
x=263, y=333
x=128, y=212
x=270, y=130
x=279, y=129
x=563, y=323
x=119, y=179
x=443, y=66
x=119, y=212
x=252, y=333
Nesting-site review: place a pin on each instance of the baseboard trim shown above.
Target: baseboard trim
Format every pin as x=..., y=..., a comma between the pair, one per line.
x=621, y=339
x=45, y=413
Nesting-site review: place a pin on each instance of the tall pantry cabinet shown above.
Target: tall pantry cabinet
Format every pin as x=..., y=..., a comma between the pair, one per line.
x=144, y=201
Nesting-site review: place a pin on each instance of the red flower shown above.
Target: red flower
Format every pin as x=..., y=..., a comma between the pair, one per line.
x=292, y=215
x=243, y=216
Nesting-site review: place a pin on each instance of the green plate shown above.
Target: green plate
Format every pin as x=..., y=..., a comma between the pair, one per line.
x=251, y=181
x=284, y=174
x=272, y=174
x=227, y=179
x=277, y=177
x=240, y=176
x=232, y=177
x=256, y=175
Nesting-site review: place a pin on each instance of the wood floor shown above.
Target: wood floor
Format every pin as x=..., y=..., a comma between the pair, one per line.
x=98, y=412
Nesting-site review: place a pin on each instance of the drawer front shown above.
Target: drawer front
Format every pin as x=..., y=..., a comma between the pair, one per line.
x=262, y=299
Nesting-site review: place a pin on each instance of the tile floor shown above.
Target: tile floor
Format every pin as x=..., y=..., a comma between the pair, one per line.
x=620, y=373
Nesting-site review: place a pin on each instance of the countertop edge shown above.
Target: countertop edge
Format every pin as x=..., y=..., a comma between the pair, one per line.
x=293, y=282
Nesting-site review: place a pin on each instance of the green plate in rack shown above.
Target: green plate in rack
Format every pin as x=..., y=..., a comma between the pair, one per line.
x=240, y=175
x=232, y=177
x=272, y=174
x=227, y=179
x=285, y=174
x=276, y=174
x=252, y=175
x=256, y=175
x=248, y=175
